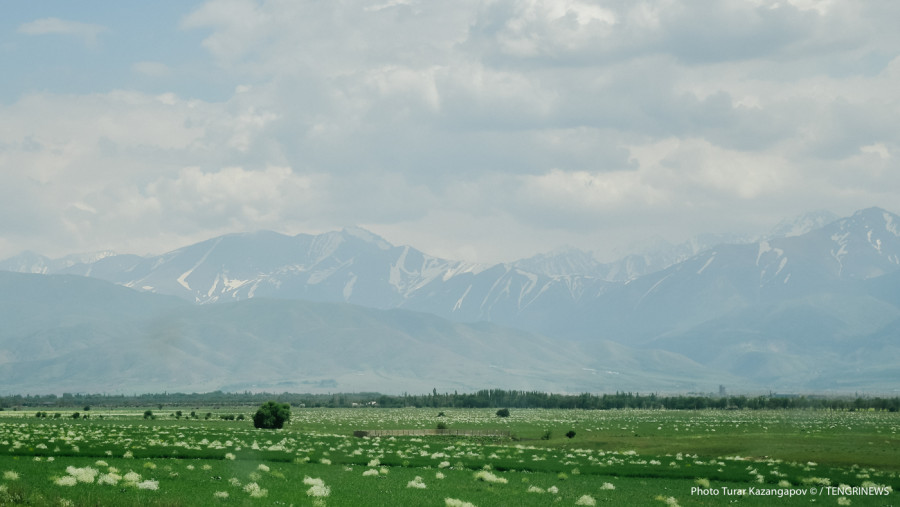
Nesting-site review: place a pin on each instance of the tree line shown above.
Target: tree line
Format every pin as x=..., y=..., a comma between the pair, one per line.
x=485, y=398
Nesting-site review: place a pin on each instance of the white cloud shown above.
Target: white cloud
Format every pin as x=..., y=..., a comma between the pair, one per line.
x=532, y=121
x=87, y=32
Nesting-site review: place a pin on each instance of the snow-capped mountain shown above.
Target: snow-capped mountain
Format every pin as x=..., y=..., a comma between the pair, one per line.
x=30, y=262
x=802, y=224
x=350, y=266
x=758, y=307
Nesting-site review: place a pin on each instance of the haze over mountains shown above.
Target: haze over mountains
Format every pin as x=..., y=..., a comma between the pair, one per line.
x=814, y=306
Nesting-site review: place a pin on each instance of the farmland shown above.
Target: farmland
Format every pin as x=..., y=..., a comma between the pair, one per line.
x=612, y=457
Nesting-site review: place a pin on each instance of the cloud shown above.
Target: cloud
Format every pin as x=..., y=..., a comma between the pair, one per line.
x=533, y=121
x=87, y=32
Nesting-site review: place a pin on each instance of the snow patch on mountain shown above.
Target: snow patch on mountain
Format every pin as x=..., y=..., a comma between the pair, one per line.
x=708, y=262
x=348, y=288
x=889, y=224
x=368, y=237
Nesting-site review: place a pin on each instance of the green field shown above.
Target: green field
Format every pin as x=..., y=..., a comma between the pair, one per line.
x=616, y=457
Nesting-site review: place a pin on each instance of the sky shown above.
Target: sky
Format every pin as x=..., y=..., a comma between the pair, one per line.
x=476, y=130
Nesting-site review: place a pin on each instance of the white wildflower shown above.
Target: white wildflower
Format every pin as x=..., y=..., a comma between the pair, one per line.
x=110, y=479
x=486, y=476
x=703, y=483
x=586, y=500
x=609, y=485
x=230, y=456
x=417, y=483
x=262, y=468
x=10, y=475
x=453, y=502
x=148, y=484
x=370, y=472
x=535, y=489
x=318, y=491
x=67, y=480
x=85, y=474
x=439, y=475
x=553, y=489
x=670, y=501
x=318, y=487
x=221, y=494
x=255, y=491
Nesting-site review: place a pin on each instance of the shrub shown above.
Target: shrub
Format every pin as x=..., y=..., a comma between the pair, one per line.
x=570, y=433
x=148, y=414
x=503, y=412
x=272, y=415
x=76, y=415
x=441, y=426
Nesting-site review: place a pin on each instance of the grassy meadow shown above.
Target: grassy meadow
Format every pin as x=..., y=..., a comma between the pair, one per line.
x=616, y=457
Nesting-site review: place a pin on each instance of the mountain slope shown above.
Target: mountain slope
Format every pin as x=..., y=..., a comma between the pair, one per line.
x=799, y=310
x=66, y=333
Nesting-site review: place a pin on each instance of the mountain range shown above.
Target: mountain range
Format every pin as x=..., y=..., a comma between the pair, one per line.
x=813, y=306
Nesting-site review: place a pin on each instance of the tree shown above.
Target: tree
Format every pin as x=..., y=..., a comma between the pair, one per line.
x=503, y=412
x=272, y=415
x=570, y=434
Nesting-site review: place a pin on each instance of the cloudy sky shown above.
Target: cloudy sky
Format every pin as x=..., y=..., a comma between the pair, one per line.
x=481, y=130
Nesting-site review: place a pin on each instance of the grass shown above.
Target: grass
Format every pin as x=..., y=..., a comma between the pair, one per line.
x=614, y=458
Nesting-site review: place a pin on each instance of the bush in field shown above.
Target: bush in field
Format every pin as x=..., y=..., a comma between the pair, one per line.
x=148, y=414
x=441, y=426
x=503, y=412
x=272, y=415
x=570, y=433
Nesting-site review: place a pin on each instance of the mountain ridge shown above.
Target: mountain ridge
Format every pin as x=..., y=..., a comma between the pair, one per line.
x=755, y=308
